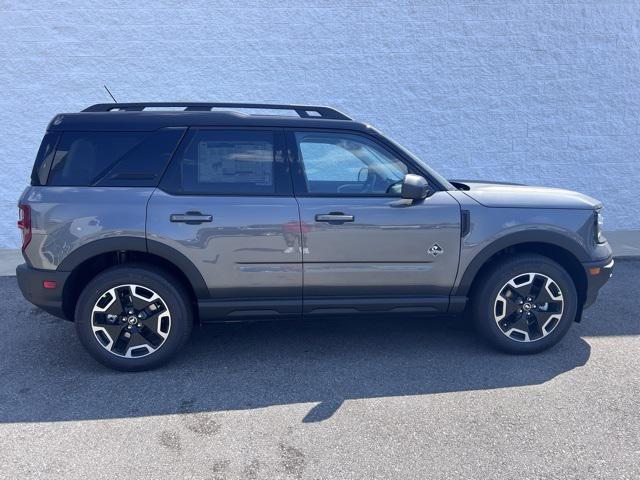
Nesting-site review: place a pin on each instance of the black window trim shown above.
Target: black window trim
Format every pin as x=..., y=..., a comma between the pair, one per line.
x=279, y=147
x=297, y=167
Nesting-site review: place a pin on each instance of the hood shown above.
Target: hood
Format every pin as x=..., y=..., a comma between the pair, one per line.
x=496, y=194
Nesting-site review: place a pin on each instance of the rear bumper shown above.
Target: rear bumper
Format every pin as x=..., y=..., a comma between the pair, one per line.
x=598, y=273
x=30, y=281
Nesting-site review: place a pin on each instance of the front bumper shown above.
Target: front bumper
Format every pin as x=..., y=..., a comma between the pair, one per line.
x=31, y=283
x=598, y=273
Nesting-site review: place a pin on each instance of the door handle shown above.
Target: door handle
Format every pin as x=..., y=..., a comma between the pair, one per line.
x=191, y=218
x=334, y=217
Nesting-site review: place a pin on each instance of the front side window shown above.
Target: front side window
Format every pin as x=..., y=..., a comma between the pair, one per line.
x=344, y=164
x=224, y=162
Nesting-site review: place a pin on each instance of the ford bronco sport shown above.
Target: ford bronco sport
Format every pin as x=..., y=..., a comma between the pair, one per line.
x=142, y=219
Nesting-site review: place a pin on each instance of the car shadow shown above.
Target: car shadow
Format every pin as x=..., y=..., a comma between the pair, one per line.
x=47, y=376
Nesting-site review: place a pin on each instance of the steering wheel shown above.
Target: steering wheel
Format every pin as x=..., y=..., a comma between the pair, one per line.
x=392, y=186
x=366, y=187
x=370, y=182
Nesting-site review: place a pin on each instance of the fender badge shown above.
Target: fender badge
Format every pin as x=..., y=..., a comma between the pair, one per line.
x=435, y=250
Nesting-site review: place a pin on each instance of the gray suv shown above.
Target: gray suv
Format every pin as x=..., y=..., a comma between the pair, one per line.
x=143, y=218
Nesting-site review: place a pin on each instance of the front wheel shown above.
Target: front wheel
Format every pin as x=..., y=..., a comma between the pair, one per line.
x=524, y=304
x=133, y=317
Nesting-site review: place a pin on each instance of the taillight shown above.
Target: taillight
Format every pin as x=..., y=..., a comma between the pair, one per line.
x=24, y=224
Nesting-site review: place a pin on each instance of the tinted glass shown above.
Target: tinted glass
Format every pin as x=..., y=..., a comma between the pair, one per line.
x=232, y=162
x=112, y=159
x=82, y=157
x=143, y=165
x=344, y=164
x=43, y=159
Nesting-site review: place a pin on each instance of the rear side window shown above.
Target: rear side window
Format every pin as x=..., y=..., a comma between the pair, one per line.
x=225, y=162
x=112, y=159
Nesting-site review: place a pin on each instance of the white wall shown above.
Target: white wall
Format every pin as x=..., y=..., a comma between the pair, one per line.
x=531, y=91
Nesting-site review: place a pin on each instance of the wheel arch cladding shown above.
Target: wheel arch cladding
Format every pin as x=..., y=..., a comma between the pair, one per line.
x=89, y=260
x=564, y=251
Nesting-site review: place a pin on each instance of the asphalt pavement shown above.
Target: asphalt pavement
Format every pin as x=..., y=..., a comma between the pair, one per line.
x=365, y=399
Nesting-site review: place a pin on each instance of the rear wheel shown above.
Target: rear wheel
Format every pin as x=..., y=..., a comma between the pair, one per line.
x=133, y=317
x=524, y=304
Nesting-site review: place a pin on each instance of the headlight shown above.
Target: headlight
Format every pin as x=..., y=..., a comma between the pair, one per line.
x=599, y=222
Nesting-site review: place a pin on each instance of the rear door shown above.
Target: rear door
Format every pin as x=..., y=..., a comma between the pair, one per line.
x=365, y=249
x=226, y=204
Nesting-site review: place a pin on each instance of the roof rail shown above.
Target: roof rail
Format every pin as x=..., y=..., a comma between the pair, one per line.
x=304, y=111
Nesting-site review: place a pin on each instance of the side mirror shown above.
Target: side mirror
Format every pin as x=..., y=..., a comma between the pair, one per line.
x=414, y=187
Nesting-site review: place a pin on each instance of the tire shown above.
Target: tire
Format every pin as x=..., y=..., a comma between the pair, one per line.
x=160, y=307
x=503, y=314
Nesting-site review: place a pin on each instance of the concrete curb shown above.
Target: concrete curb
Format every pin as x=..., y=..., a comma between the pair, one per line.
x=625, y=244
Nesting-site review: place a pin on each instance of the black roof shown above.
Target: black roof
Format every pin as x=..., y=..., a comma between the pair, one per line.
x=134, y=117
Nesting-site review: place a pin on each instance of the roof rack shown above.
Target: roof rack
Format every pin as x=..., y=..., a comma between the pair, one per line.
x=304, y=111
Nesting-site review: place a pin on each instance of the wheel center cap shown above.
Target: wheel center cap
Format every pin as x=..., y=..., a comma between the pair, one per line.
x=526, y=307
x=132, y=320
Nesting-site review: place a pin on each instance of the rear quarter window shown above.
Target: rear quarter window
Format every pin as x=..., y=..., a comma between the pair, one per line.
x=112, y=159
x=43, y=159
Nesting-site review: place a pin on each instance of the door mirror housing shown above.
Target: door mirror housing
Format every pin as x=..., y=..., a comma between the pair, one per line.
x=414, y=187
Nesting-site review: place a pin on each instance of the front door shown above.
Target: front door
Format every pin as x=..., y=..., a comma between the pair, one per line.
x=226, y=204
x=365, y=249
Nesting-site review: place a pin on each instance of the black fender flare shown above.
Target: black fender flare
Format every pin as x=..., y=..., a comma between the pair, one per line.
x=137, y=244
x=550, y=238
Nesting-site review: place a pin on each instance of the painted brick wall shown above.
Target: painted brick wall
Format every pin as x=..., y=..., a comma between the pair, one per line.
x=543, y=92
